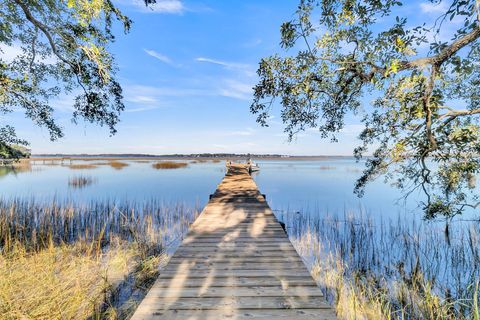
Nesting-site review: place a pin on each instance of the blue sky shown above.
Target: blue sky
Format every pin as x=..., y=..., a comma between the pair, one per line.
x=187, y=69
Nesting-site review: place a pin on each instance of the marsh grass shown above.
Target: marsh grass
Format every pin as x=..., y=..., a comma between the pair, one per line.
x=395, y=269
x=23, y=165
x=117, y=165
x=82, y=166
x=327, y=168
x=81, y=181
x=169, y=165
x=61, y=261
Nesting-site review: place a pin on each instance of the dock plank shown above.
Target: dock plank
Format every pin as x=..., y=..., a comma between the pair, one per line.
x=236, y=262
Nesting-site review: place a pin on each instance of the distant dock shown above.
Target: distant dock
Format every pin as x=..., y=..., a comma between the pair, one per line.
x=236, y=262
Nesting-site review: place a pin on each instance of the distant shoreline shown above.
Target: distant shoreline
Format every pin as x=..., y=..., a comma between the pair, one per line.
x=202, y=156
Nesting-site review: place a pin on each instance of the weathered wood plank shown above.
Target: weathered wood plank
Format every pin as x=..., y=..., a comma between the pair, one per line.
x=236, y=262
x=194, y=266
x=227, y=255
x=235, y=303
x=234, y=259
x=242, y=245
x=236, y=281
x=230, y=291
x=217, y=239
x=234, y=273
x=262, y=314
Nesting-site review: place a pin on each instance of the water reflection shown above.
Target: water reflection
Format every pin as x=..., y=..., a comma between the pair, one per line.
x=15, y=169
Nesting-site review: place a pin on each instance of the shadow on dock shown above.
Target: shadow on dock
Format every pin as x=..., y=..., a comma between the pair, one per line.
x=235, y=263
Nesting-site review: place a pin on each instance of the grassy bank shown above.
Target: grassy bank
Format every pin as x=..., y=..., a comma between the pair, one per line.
x=395, y=269
x=60, y=261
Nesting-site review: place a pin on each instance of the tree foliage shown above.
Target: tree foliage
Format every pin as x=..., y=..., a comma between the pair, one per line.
x=64, y=52
x=422, y=126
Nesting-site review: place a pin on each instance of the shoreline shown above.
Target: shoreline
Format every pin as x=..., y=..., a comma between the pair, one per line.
x=223, y=157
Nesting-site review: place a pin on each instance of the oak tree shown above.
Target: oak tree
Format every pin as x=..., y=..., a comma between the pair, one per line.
x=421, y=125
x=62, y=50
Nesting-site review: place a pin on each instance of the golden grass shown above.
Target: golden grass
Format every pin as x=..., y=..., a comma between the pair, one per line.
x=169, y=165
x=63, y=282
x=22, y=163
x=341, y=264
x=65, y=261
x=117, y=164
x=361, y=297
x=82, y=166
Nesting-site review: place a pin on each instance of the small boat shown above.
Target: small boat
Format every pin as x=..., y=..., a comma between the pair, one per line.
x=254, y=167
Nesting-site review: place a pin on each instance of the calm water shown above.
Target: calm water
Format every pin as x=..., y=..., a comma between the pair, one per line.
x=320, y=186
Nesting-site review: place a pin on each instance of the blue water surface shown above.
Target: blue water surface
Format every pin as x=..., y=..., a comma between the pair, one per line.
x=319, y=186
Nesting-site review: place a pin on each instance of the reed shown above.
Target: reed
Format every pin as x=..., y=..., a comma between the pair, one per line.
x=81, y=181
x=169, y=165
x=62, y=261
x=394, y=269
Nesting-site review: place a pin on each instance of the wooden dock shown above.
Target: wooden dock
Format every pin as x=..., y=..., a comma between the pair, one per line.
x=236, y=262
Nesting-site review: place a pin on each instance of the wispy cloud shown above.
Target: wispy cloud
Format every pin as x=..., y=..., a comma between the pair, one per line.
x=150, y=95
x=246, y=132
x=221, y=63
x=158, y=56
x=64, y=103
x=141, y=99
x=140, y=109
x=9, y=53
x=147, y=93
x=236, y=89
x=161, y=6
x=352, y=129
x=253, y=43
x=247, y=69
x=168, y=6
x=429, y=7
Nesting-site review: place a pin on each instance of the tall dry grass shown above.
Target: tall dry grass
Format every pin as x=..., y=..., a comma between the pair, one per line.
x=394, y=269
x=61, y=261
x=81, y=181
x=169, y=165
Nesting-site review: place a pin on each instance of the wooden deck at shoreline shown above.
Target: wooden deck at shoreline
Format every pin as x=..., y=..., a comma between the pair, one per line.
x=236, y=262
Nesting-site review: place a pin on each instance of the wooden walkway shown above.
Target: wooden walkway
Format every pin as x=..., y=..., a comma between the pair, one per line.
x=236, y=262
